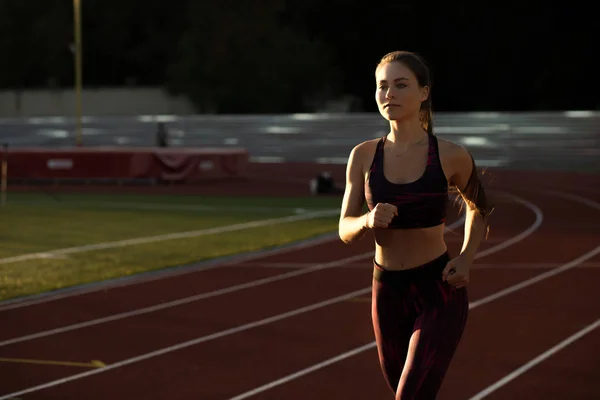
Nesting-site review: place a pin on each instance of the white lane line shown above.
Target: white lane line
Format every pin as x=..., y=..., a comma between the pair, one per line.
x=281, y=381
x=348, y=354
x=209, y=337
x=537, y=278
x=169, y=236
x=501, y=266
x=539, y=218
x=198, y=297
x=186, y=300
x=233, y=330
x=192, y=342
x=168, y=273
x=162, y=274
x=132, y=205
x=529, y=365
x=483, y=266
x=298, y=374
x=574, y=197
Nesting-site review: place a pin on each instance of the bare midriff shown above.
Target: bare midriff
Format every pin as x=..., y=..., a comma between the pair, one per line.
x=397, y=249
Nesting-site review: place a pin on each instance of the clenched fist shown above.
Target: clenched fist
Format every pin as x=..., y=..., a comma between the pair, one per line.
x=381, y=215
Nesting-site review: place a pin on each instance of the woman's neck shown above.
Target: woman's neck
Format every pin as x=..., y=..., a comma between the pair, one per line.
x=405, y=133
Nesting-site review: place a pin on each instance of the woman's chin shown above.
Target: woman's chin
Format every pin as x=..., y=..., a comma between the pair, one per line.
x=391, y=116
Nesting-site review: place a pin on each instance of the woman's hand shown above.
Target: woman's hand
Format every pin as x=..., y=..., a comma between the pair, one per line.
x=457, y=271
x=381, y=215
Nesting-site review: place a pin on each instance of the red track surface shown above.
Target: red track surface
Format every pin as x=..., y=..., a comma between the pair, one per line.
x=502, y=334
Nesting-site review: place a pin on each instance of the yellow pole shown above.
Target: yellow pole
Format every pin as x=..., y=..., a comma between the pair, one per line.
x=78, y=74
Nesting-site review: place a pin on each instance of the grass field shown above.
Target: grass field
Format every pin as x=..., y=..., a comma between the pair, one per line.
x=42, y=236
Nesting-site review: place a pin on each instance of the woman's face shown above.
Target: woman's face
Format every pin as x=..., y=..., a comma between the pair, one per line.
x=398, y=93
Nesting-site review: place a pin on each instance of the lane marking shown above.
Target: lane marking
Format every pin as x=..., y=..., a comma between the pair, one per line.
x=483, y=266
x=529, y=365
x=574, y=197
x=157, y=275
x=526, y=266
x=472, y=305
x=192, y=342
x=537, y=278
x=132, y=205
x=303, y=372
x=360, y=300
x=169, y=236
x=162, y=274
x=92, y=364
x=198, y=297
x=539, y=218
x=297, y=265
x=185, y=300
x=221, y=334
x=343, y=356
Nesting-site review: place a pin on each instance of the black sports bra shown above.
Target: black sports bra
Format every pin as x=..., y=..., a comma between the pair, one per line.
x=421, y=203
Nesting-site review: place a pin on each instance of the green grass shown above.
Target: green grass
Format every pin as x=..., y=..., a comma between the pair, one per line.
x=33, y=223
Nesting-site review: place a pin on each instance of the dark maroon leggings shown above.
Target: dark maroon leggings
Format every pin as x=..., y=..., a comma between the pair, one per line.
x=418, y=321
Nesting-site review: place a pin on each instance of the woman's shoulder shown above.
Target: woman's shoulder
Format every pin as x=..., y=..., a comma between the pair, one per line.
x=364, y=149
x=455, y=158
x=452, y=150
x=362, y=154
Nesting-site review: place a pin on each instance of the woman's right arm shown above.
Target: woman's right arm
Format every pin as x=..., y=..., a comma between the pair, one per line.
x=353, y=223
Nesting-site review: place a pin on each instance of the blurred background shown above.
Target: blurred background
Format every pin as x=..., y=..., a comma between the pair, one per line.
x=215, y=99
x=142, y=138
x=293, y=80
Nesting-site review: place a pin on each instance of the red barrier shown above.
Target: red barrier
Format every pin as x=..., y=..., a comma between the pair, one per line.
x=119, y=164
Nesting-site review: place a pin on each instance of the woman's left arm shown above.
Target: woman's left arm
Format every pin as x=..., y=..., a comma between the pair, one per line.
x=478, y=210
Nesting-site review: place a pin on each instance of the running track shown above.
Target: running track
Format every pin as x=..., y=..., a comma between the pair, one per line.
x=308, y=335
